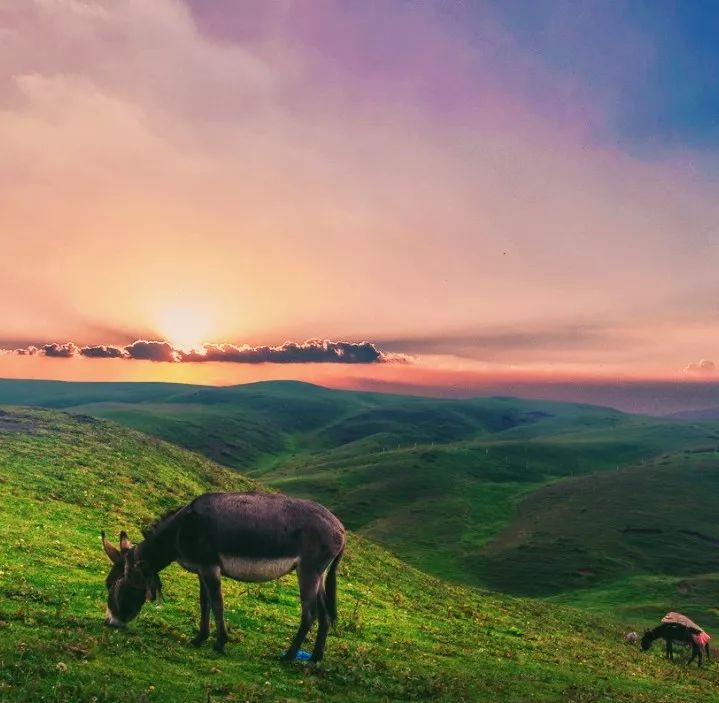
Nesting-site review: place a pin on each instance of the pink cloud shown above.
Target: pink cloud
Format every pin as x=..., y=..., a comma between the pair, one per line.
x=703, y=367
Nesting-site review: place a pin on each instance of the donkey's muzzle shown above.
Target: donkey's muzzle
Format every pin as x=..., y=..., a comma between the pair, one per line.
x=112, y=621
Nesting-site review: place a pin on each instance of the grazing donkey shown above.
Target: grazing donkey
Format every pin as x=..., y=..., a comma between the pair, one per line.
x=677, y=632
x=246, y=536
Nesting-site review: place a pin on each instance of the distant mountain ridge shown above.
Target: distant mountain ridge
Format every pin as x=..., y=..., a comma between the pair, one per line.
x=697, y=415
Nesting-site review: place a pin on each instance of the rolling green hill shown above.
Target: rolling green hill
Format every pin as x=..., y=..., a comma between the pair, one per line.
x=529, y=497
x=440, y=506
x=643, y=539
x=402, y=635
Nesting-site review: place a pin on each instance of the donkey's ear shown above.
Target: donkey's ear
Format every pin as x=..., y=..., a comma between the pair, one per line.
x=125, y=543
x=115, y=556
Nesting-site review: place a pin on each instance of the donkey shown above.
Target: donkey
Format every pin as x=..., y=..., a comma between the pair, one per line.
x=245, y=536
x=675, y=632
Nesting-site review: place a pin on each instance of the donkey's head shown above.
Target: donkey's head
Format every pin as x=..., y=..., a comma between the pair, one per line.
x=647, y=640
x=129, y=584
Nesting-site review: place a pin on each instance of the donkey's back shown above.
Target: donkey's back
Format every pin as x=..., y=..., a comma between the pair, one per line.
x=258, y=536
x=257, y=521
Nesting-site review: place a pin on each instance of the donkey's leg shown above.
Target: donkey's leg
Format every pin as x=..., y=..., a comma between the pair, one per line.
x=309, y=585
x=695, y=651
x=211, y=580
x=204, y=632
x=669, y=650
x=324, y=622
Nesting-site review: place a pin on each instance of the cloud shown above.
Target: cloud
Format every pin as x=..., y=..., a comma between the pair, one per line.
x=151, y=351
x=703, y=367
x=312, y=351
x=315, y=351
x=599, y=341
x=62, y=351
x=101, y=351
x=502, y=339
x=25, y=351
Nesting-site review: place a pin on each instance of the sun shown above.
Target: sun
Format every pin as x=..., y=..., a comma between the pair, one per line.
x=186, y=328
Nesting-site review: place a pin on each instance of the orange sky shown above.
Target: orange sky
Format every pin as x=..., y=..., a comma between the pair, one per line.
x=159, y=181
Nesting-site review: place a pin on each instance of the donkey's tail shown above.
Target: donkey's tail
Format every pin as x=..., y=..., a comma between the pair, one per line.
x=331, y=586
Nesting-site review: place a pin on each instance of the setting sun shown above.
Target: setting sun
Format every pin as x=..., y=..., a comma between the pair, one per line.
x=186, y=328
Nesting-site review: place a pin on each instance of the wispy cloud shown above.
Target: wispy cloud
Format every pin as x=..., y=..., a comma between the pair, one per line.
x=702, y=368
x=312, y=351
x=498, y=339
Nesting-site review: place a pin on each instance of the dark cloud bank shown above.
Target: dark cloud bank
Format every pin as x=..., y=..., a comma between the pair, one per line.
x=313, y=351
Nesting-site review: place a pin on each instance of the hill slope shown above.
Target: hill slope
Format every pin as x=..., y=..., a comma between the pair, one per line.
x=403, y=635
x=444, y=483
x=641, y=540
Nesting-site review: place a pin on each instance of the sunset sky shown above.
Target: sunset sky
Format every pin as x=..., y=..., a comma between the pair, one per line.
x=490, y=195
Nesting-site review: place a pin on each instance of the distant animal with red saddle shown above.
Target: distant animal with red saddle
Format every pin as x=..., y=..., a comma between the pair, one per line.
x=676, y=627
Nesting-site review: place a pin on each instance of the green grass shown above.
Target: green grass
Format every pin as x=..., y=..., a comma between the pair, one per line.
x=402, y=635
x=443, y=506
x=623, y=538
x=457, y=488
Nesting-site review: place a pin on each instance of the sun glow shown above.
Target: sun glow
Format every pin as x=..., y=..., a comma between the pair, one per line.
x=186, y=328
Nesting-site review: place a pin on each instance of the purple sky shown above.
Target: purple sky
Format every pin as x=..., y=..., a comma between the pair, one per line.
x=489, y=190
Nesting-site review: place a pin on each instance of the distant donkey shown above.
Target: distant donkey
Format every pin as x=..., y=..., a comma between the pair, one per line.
x=677, y=632
x=245, y=536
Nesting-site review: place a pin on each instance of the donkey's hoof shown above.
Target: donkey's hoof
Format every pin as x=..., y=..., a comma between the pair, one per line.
x=219, y=647
x=198, y=641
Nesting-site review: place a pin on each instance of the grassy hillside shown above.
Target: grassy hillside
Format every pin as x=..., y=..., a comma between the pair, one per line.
x=446, y=484
x=440, y=506
x=639, y=539
x=403, y=635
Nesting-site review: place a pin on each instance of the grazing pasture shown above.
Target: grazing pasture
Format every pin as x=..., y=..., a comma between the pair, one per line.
x=577, y=503
x=402, y=635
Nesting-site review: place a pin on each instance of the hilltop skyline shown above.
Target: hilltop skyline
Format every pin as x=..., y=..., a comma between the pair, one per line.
x=458, y=196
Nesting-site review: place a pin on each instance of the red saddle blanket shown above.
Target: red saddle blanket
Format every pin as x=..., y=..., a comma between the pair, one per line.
x=698, y=634
x=701, y=638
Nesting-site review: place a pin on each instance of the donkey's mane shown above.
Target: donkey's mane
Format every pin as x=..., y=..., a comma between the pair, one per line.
x=160, y=522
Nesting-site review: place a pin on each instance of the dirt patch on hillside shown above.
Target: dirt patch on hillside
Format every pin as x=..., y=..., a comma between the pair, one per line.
x=9, y=422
